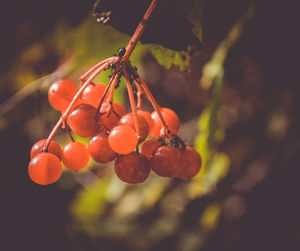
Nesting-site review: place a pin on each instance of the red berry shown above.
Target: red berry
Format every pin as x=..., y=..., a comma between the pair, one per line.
x=61, y=93
x=109, y=118
x=93, y=93
x=170, y=118
x=53, y=148
x=190, y=163
x=75, y=156
x=129, y=120
x=132, y=168
x=100, y=150
x=122, y=139
x=119, y=109
x=166, y=161
x=149, y=147
x=78, y=102
x=82, y=121
x=146, y=115
x=44, y=168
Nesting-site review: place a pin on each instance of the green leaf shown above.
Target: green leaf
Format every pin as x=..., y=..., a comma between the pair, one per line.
x=192, y=9
x=167, y=57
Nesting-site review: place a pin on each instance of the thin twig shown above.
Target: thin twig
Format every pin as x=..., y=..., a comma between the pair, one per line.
x=132, y=103
x=150, y=97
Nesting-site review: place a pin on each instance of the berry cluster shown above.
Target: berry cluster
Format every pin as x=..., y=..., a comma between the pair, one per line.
x=114, y=134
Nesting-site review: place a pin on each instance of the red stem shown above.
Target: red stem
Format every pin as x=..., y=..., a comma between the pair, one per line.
x=112, y=90
x=68, y=130
x=132, y=103
x=85, y=75
x=139, y=96
x=111, y=80
x=150, y=97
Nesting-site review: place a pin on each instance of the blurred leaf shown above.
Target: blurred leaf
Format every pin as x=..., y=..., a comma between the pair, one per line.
x=90, y=202
x=210, y=127
x=211, y=133
x=167, y=57
x=210, y=216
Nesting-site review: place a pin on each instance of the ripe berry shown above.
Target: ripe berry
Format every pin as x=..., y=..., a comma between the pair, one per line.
x=132, y=168
x=190, y=163
x=149, y=147
x=82, y=121
x=44, y=168
x=100, y=150
x=75, y=156
x=129, y=120
x=166, y=161
x=119, y=109
x=109, y=118
x=146, y=115
x=61, y=93
x=170, y=118
x=53, y=148
x=93, y=93
x=122, y=139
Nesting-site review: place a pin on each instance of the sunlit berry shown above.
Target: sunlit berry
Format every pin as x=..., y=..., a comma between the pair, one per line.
x=61, y=93
x=75, y=156
x=122, y=139
x=44, y=168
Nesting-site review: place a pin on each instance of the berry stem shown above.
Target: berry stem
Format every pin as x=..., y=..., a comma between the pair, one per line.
x=111, y=80
x=68, y=130
x=110, y=96
x=132, y=103
x=149, y=97
x=85, y=75
x=139, y=96
x=74, y=100
x=139, y=30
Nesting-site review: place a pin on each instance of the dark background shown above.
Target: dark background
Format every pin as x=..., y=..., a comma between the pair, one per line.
x=35, y=218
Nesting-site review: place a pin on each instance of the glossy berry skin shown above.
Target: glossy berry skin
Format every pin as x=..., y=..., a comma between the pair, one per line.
x=122, y=139
x=147, y=116
x=110, y=119
x=100, y=150
x=190, y=164
x=166, y=161
x=132, y=168
x=53, y=148
x=75, y=156
x=120, y=109
x=44, y=168
x=129, y=120
x=170, y=118
x=149, y=147
x=93, y=93
x=82, y=121
x=61, y=93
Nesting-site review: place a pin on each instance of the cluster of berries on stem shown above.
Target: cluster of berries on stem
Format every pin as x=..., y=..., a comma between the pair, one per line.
x=114, y=134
